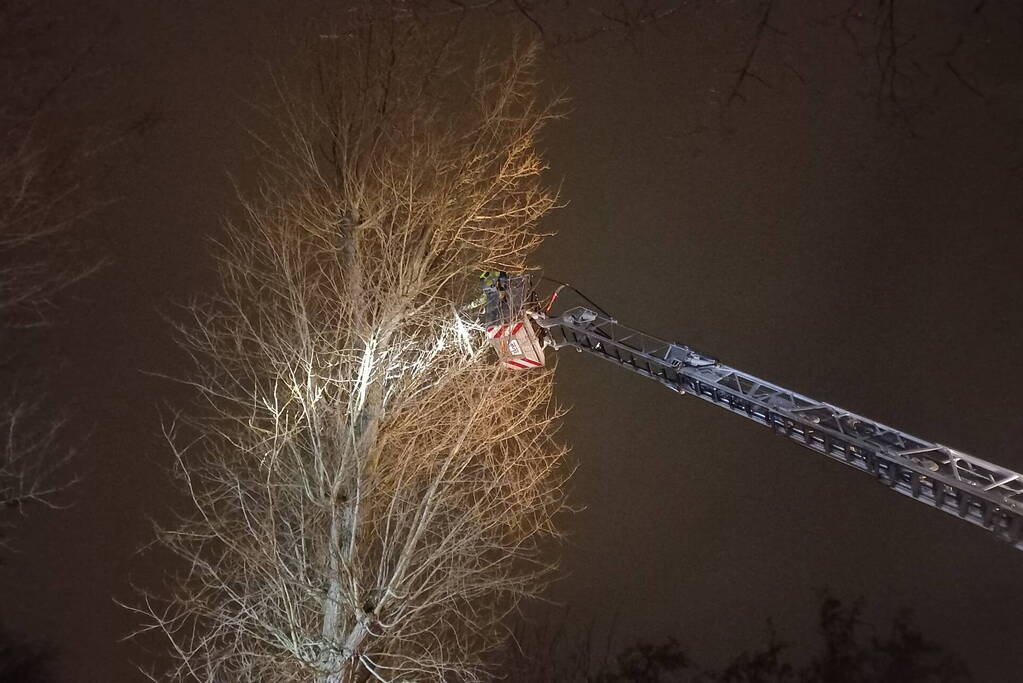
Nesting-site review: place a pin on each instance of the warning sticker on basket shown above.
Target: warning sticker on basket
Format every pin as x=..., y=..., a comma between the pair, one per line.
x=513, y=347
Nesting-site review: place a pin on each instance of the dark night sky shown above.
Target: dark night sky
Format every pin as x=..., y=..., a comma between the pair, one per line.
x=798, y=233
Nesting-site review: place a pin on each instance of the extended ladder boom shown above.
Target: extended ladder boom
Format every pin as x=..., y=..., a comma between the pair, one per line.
x=951, y=481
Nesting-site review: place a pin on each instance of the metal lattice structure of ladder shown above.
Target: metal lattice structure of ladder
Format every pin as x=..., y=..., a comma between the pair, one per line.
x=949, y=480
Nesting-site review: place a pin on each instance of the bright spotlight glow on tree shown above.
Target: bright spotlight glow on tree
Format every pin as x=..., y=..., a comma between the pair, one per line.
x=370, y=489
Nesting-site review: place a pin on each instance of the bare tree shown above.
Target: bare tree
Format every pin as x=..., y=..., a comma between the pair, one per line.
x=370, y=492
x=35, y=211
x=44, y=166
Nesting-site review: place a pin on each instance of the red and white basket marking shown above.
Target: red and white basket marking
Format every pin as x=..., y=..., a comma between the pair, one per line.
x=520, y=362
x=498, y=331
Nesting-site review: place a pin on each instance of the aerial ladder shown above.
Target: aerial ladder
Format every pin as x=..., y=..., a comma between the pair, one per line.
x=520, y=328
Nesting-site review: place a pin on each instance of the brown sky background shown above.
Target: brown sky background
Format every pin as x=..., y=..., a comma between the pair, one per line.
x=865, y=255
